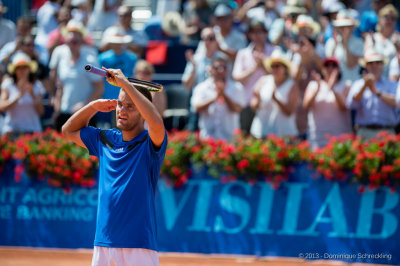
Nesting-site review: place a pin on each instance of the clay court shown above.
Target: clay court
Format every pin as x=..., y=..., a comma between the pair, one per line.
x=82, y=257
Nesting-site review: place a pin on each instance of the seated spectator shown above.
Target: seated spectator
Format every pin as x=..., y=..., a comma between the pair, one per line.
x=248, y=67
x=218, y=100
x=325, y=100
x=345, y=46
x=21, y=97
x=75, y=87
x=145, y=71
x=275, y=99
x=138, y=38
x=117, y=57
x=7, y=27
x=373, y=98
x=386, y=35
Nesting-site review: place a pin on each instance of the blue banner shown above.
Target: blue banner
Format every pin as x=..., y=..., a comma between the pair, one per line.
x=304, y=218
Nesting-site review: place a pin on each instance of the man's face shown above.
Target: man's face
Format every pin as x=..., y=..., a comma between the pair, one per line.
x=375, y=68
x=219, y=70
x=127, y=115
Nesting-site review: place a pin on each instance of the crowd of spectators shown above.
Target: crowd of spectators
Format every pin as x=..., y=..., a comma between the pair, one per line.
x=302, y=68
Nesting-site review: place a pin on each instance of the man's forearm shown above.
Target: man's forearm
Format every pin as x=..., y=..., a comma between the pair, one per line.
x=79, y=120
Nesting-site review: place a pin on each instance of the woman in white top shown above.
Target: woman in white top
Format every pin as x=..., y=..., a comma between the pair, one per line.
x=21, y=97
x=275, y=100
x=325, y=101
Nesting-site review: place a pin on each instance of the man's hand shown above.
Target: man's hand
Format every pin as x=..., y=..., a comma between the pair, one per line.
x=104, y=105
x=116, y=77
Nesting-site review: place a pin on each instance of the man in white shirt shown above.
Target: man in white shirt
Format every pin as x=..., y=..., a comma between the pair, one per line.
x=218, y=100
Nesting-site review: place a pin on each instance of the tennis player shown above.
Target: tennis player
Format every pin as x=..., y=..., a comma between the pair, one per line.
x=130, y=160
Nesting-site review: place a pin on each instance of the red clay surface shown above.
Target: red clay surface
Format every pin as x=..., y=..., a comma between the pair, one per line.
x=82, y=257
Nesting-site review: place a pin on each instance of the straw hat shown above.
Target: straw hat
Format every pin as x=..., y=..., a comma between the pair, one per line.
x=22, y=59
x=74, y=26
x=372, y=55
x=3, y=9
x=117, y=36
x=277, y=56
x=294, y=7
x=172, y=24
x=345, y=18
x=306, y=21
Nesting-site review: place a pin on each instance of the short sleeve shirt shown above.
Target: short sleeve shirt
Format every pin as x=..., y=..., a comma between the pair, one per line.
x=128, y=175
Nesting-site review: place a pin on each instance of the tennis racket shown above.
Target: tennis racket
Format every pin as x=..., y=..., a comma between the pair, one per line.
x=151, y=86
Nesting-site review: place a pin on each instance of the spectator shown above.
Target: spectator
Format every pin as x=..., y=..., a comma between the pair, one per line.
x=373, y=98
x=325, y=100
x=345, y=46
x=383, y=40
x=138, y=38
x=104, y=14
x=275, y=99
x=229, y=39
x=280, y=32
x=21, y=97
x=196, y=68
x=248, y=67
x=394, y=65
x=55, y=36
x=80, y=10
x=145, y=71
x=24, y=28
x=197, y=15
x=307, y=27
x=369, y=18
x=170, y=28
x=263, y=10
x=329, y=14
x=42, y=73
x=7, y=27
x=46, y=21
x=304, y=62
x=75, y=87
x=116, y=57
x=218, y=100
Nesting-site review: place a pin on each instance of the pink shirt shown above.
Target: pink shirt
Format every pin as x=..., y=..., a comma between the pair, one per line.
x=244, y=61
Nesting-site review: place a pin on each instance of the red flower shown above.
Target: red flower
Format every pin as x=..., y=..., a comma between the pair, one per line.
x=243, y=164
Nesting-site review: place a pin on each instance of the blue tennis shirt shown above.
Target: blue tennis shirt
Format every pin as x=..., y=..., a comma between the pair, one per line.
x=128, y=175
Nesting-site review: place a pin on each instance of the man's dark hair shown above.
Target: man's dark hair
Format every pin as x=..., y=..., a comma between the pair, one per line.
x=144, y=91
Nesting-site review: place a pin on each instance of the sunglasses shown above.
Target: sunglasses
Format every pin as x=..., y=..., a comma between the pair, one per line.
x=274, y=66
x=209, y=38
x=220, y=68
x=330, y=65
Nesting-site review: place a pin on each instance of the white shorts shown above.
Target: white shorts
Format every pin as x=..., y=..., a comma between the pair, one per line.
x=104, y=256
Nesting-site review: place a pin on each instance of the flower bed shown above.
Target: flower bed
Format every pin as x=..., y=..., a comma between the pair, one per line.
x=49, y=156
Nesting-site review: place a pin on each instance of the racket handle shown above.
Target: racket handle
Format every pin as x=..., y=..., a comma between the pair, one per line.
x=95, y=70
